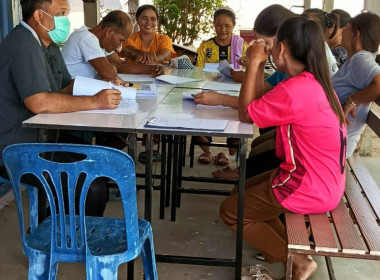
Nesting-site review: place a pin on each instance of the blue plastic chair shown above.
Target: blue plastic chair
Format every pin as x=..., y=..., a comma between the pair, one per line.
x=102, y=243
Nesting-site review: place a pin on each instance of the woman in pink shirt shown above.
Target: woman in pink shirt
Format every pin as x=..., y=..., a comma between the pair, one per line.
x=310, y=140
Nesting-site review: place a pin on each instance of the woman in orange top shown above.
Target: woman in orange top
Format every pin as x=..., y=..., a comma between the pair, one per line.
x=147, y=46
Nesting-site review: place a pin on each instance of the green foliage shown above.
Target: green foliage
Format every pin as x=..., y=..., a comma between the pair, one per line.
x=185, y=20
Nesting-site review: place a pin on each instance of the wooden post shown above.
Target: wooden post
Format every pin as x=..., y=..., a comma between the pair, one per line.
x=307, y=4
x=91, y=9
x=373, y=6
x=328, y=5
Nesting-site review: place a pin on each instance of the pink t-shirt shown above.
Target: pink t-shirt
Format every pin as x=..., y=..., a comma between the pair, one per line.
x=309, y=141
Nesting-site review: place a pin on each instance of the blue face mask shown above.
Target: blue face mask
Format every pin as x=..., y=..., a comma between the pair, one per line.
x=62, y=29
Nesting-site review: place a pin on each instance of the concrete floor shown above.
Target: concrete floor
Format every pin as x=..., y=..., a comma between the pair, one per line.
x=198, y=231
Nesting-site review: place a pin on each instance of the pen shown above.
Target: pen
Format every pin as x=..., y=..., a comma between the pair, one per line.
x=111, y=85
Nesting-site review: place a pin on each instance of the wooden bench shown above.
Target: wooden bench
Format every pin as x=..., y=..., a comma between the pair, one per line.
x=352, y=230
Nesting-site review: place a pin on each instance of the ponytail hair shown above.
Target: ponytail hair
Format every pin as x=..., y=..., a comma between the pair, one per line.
x=325, y=20
x=306, y=44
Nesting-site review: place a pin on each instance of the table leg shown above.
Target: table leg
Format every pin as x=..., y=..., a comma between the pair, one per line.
x=132, y=145
x=148, y=177
x=174, y=179
x=240, y=210
x=168, y=170
x=163, y=176
x=181, y=155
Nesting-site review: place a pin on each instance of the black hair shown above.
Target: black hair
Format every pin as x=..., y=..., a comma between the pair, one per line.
x=324, y=19
x=117, y=19
x=29, y=6
x=225, y=11
x=142, y=8
x=343, y=16
x=269, y=19
x=306, y=44
x=368, y=24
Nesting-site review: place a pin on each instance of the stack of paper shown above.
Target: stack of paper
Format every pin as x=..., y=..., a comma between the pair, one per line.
x=87, y=87
x=187, y=123
x=136, y=78
x=145, y=91
x=125, y=108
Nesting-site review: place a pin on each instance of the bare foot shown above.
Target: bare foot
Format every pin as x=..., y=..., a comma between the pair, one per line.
x=203, y=139
x=226, y=173
x=303, y=266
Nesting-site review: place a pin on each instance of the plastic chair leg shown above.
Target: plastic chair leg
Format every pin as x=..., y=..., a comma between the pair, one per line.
x=98, y=269
x=148, y=259
x=39, y=267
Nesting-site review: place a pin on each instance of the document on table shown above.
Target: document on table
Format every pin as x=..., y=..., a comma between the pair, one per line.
x=125, y=108
x=211, y=68
x=175, y=80
x=138, y=78
x=189, y=95
x=221, y=86
x=187, y=123
x=145, y=91
x=224, y=68
x=87, y=87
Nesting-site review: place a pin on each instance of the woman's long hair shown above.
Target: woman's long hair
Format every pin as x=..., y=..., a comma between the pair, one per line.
x=324, y=19
x=368, y=24
x=306, y=44
x=269, y=19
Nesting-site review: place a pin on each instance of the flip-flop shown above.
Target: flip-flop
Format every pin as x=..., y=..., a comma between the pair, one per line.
x=226, y=173
x=222, y=159
x=206, y=157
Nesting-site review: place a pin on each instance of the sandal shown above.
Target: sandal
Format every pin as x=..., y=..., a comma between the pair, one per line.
x=206, y=157
x=226, y=173
x=222, y=159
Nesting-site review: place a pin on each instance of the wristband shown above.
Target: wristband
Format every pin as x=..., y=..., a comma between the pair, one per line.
x=350, y=102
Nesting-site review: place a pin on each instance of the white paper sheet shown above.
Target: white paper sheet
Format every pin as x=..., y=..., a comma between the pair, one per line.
x=202, y=106
x=189, y=95
x=175, y=80
x=187, y=123
x=146, y=91
x=138, y=78
x=224, y=68
x=221, y=86
x=125, y=108
x=211, y=68
x=87, y=87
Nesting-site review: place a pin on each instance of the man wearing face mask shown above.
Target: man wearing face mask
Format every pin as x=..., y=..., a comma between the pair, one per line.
x=34, y=79
x=87, y=49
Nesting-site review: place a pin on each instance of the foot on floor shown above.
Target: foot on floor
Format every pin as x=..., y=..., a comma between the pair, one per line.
x=226, y=173
x=222, y=159
x=206, y=157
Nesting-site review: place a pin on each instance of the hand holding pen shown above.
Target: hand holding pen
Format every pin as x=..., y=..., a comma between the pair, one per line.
x=241, y=60
x=108, y=98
